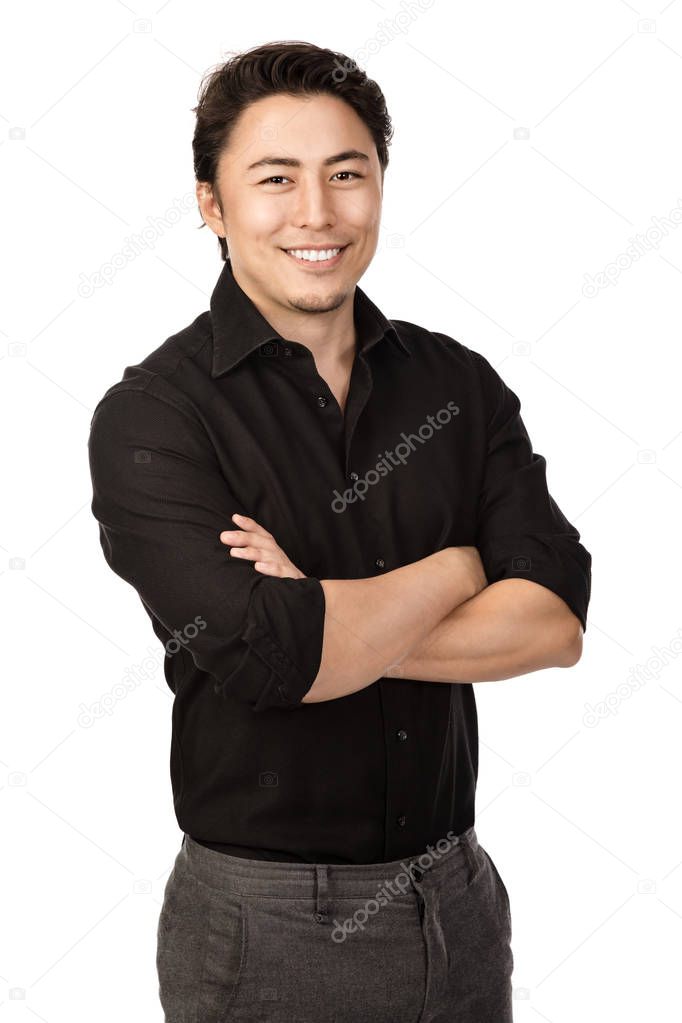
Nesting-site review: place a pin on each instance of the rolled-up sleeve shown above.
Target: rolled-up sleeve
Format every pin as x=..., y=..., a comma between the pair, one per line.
x=161, y=501
x=521, y=531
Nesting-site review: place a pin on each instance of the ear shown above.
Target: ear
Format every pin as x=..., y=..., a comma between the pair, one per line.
x=209, y=207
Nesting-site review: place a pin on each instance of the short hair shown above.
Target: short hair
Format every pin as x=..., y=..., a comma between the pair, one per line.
x=293, y=67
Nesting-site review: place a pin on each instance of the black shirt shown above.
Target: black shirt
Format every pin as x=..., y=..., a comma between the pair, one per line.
x=228, y=416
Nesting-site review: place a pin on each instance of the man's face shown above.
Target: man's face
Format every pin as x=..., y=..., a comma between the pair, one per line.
x=264, y=210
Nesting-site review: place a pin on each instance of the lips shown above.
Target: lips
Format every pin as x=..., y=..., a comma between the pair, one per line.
x=313, y=248
x=320, y=264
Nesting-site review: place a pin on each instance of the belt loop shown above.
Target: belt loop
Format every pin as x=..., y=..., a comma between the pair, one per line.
x=321, y=893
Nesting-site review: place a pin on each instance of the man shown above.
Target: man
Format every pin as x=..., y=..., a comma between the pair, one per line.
x=336, y=524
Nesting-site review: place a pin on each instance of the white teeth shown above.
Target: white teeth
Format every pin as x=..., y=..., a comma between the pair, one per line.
x=312, y=255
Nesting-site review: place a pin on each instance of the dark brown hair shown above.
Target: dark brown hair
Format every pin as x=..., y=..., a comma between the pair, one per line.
x=293, y=67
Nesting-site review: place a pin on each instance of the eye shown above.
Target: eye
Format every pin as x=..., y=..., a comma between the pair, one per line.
x=282, y=177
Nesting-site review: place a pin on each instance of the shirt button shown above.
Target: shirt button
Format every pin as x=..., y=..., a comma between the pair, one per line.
x=402, y=735
x=321, y=400
x=354, y=476
x=379, y=562
x=402, y=821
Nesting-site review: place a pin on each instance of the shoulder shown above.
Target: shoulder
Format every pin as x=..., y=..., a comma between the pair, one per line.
x=425, y=342
x=442, y=353
x=435, y=344
x=158, y=378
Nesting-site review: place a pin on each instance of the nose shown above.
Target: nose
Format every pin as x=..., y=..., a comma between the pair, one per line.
x=314, y=208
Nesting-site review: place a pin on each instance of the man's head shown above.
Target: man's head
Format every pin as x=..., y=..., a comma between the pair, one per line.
x=312, y=107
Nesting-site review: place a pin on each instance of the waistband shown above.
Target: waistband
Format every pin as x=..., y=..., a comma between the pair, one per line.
x=302, y=880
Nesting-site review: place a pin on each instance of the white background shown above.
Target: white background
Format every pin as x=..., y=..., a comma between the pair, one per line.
x=532, y=142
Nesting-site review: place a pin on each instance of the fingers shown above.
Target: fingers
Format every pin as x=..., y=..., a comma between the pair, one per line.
x=240, y=538
x=250, y=553
x=269, y=568
x=266, y=567
x=250, y=525
x=241, y=545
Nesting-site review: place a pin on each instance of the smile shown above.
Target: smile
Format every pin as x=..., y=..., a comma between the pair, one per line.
x=312, y=258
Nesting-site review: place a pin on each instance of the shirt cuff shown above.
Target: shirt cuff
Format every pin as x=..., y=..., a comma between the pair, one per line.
x=560, y=563
x=269, y=675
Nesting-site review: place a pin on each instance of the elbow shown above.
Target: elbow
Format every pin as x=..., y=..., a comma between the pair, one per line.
x=325, y=685
x=322, y=688
x=572, y=647
x=311, y=696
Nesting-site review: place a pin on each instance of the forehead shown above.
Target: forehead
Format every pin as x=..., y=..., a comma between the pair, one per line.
x=306, y=128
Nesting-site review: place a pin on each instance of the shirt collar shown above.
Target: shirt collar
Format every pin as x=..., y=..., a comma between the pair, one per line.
x=239, y=327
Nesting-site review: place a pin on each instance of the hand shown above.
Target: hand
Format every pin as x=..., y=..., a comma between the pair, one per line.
x=253, y=542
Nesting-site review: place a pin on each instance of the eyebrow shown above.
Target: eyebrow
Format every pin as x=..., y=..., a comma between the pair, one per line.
x=287, y=161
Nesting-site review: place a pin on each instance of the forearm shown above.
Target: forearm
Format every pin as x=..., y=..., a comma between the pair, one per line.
x=510, y=628
x=371, y=623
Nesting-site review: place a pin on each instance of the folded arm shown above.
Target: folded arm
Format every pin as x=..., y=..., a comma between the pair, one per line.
x=533, y=613
x=371, y=623
x=510, y=628
x=162, y=501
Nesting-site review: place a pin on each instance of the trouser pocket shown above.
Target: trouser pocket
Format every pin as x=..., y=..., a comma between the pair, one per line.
x=201, y=945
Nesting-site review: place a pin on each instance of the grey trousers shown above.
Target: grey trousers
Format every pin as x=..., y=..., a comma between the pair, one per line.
x=423, y=940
